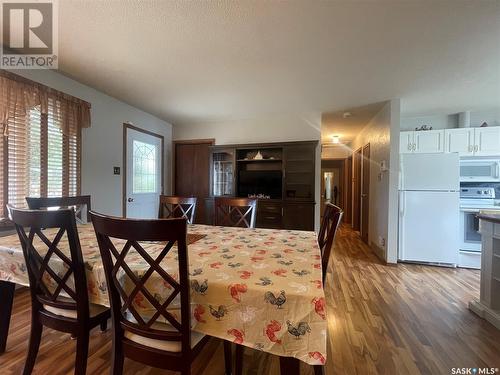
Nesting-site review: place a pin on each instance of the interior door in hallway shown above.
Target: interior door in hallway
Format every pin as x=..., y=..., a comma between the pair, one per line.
x=365, y=192
x=192, y=163
x=356, y=190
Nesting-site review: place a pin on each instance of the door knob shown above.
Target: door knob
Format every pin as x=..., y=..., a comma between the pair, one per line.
x=130, y=200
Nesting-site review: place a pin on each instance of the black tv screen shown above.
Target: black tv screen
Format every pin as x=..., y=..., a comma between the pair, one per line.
x=260, y=182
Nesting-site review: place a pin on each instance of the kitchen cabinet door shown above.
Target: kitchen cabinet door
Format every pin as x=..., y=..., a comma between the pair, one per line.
x=487, y=141
x=459, y=140
x=429, y=141
x=406, y=142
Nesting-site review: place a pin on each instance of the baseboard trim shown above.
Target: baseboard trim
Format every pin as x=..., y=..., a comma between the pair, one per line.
x=492, y=316
x=379, y=252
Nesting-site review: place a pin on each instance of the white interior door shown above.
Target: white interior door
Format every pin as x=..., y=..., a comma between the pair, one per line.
x=143, y=174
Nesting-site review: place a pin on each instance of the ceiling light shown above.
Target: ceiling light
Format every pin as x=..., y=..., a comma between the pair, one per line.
x=346, y=114
x=335, y=139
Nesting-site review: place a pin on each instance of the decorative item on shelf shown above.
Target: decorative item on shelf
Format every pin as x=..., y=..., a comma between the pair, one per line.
x=258, y=156
x=484, y=125
x=259, y=196
x=423, y=128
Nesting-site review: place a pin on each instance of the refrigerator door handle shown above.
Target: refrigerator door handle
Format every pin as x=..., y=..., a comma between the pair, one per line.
x=401, y=203
x=497, y=170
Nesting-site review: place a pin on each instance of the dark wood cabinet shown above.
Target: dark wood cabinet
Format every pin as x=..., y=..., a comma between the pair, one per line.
x=281, y=175
x=298, y=215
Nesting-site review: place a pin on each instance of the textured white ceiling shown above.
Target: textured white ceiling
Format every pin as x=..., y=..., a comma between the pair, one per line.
x=190, y=61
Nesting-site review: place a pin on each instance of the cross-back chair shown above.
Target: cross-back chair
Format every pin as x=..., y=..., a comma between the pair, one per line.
x=235, y=212
x=58, y=284
x=173, y=206
x=160, y=339
x=332, y=217
x=81, y=203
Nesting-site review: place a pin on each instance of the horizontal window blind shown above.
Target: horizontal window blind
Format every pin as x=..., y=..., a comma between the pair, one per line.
x=40, y=150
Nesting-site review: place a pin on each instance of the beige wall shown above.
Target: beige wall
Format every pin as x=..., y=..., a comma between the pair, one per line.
x=383, y=220
x=272, y=128
x=335, y=152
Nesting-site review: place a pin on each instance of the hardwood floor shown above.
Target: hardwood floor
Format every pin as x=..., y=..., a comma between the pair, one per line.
x=404, y=319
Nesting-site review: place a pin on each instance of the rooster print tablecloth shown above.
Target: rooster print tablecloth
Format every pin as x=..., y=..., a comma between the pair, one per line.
x=256, y=287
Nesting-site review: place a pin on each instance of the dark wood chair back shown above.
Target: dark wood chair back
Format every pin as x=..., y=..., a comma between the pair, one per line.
x=174, y=207
x=332, y=217
x=52, y=269
x=124, y=314
x=235, y=212
x=81, y=204
x=58, y=284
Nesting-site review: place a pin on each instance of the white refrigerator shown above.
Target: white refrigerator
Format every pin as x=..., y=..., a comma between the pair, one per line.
x=429, y=208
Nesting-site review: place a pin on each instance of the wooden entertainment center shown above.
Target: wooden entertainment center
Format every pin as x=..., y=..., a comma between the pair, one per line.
x=280, y=175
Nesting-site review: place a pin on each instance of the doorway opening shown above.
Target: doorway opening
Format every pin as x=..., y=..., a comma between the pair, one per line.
x=332, y=183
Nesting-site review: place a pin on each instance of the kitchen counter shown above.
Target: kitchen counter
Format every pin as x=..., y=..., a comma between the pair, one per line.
x=490, y=215
x=488, y=305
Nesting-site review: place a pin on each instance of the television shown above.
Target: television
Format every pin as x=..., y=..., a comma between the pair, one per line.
x=260, y=182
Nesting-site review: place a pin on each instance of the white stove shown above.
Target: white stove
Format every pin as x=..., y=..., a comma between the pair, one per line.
x=472, y=200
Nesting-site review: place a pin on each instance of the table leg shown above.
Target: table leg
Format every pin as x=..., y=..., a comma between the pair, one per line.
x=289, y=366
x=6, y=298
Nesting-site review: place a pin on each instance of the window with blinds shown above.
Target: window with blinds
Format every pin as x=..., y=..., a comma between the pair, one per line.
x=41, y=148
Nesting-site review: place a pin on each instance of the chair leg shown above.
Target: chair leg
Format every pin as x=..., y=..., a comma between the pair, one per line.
x=117, y=356
x=239, y=360
x=104, y=325
x=228, y=358
x=82, y=352
x=318, y=369
x=34, y=344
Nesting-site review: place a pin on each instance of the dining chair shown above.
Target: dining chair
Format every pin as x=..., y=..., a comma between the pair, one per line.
x=235, y=212
x=173, y=206
x=167, y=344
x=332, y=217
x=81, y=204
x=58, y=284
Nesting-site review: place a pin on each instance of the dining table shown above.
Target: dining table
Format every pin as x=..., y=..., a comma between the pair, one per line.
x=261, y=288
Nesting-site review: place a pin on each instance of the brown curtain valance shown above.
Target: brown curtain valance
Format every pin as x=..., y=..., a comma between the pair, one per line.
x=18, y=95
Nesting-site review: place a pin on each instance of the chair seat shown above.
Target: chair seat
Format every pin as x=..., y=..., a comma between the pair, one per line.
x=169, y=346
x=94, y=310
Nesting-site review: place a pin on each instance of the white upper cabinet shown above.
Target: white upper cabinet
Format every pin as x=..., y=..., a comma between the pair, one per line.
x=406, y=142
x=473, y=141
x=428, y=141
x=459, y=140
x=487, y=141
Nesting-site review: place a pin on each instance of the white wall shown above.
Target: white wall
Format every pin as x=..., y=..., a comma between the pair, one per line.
x=491, y=116
x=272, y=128
x=336, y=152
x=102, y=143
x=382, y=132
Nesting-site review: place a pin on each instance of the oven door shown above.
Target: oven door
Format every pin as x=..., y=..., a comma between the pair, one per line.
x=470, y=238
x=480, y=170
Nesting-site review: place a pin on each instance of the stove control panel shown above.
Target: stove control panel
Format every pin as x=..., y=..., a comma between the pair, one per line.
x=477, y=192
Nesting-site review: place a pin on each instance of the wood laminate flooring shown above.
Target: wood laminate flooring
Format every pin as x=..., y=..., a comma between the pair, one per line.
x=396, y=319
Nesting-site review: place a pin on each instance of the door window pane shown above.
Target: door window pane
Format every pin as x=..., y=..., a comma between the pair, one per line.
x=144, y=167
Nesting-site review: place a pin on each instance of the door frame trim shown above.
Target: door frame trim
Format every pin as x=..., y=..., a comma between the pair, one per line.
x=127, y=126
x=210, y=141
